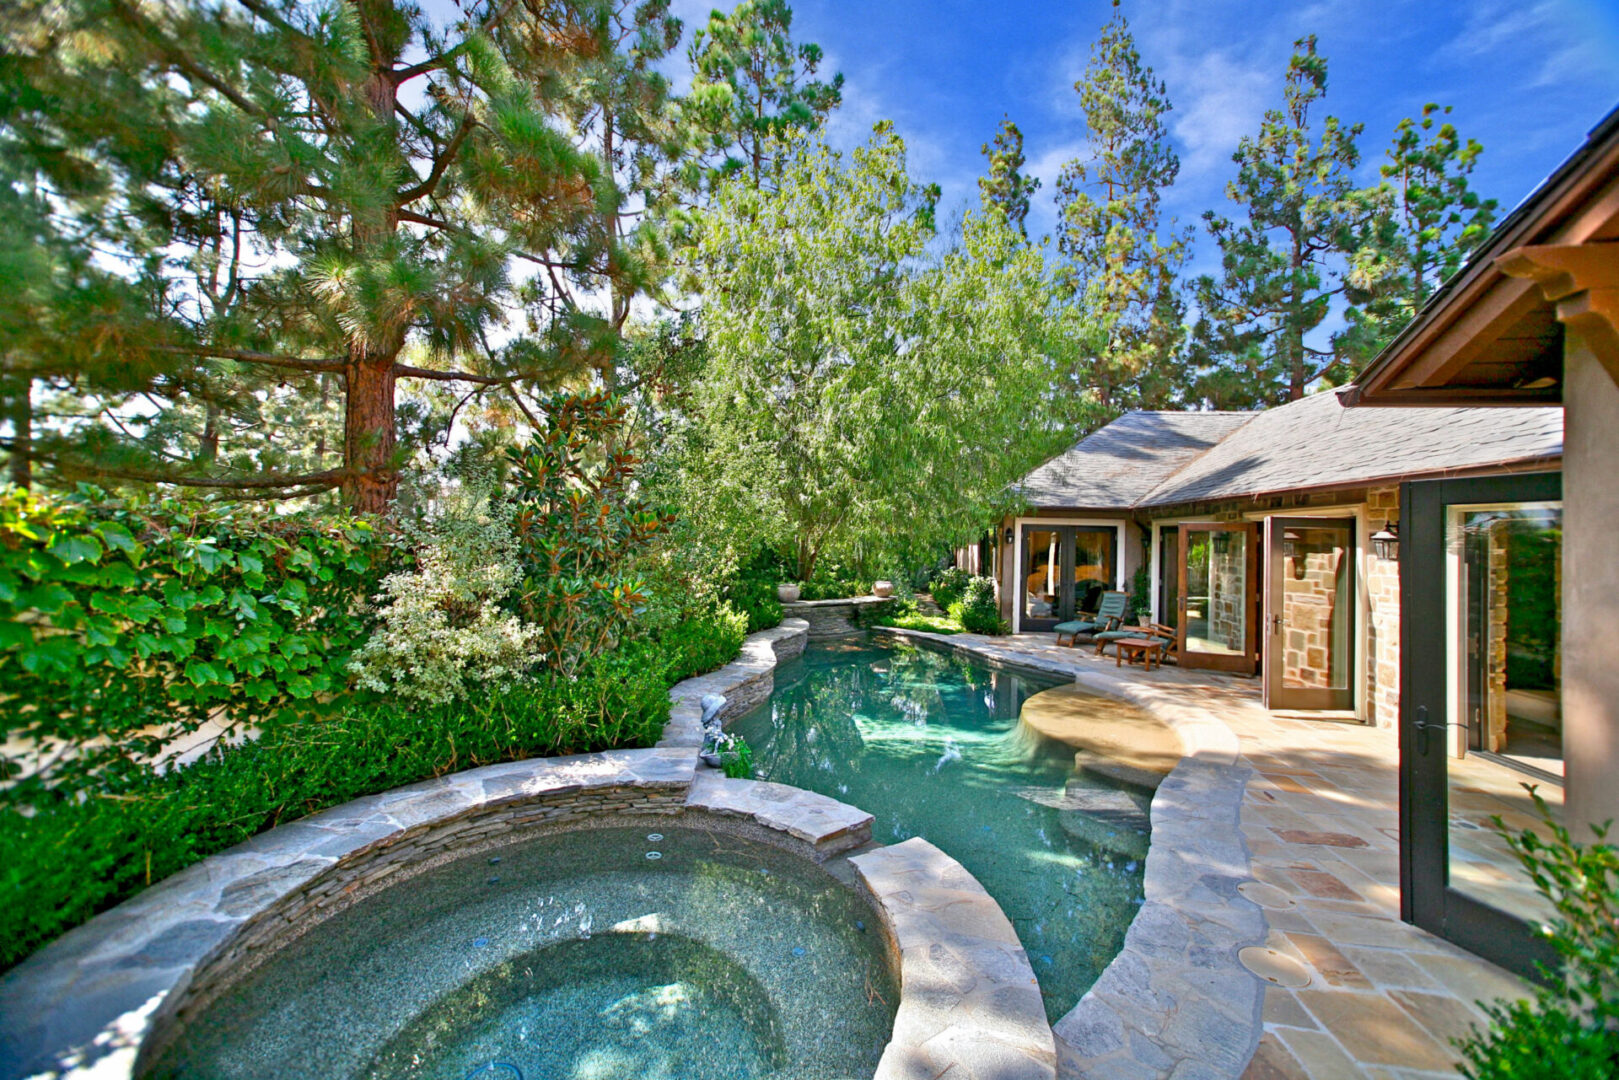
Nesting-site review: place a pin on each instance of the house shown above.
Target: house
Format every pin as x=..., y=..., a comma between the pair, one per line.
x=1258, y=533
x=1431, y=550
x=1531, y=321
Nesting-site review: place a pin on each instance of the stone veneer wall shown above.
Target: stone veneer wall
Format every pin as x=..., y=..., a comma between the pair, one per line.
x=1310, y=584
x=835, y=618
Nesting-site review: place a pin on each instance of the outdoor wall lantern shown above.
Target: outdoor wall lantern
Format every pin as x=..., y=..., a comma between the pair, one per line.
x=1009, y=537
x=1222, y=543
x=1386, y=541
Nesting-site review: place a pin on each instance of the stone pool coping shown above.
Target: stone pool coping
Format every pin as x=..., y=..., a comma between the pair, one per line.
x=1176, y=1002
x=99, y=1001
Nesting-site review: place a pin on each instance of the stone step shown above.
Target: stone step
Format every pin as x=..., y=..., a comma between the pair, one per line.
x=1144, y=781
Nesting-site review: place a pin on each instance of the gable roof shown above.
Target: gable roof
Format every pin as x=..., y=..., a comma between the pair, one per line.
x=1157, y=459
x=1111, y=468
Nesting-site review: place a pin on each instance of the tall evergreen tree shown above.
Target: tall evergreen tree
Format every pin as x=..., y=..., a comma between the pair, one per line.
x=387, y=177
x=1007, y=189
x=1435, y=221
x=751, y=84
x=1123, y=259
x=1309, y=240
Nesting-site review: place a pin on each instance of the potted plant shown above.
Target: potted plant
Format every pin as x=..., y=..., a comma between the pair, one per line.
x=788, y=591
x=1140, y=607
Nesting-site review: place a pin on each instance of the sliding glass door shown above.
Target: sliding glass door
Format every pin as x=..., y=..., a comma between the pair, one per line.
x=1064, y=569
x=1480, y=712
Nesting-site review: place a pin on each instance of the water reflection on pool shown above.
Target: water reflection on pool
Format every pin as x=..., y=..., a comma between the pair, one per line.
x=931, y=745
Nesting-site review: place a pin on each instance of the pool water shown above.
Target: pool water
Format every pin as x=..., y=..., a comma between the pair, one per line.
x=931, y=745
x=669, y=953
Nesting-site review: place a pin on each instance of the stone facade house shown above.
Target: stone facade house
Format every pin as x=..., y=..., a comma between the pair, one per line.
x=1253, y=534
x=1499, y=679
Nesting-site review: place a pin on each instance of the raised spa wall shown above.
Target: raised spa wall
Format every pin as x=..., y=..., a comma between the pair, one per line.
x=103, y=998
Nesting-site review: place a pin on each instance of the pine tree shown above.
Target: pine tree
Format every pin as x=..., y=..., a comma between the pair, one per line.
x=1006, y=189
x=372, y=186
x=1435, y=220
x=1311, y=240
x=1123, y=259
x=751, y=84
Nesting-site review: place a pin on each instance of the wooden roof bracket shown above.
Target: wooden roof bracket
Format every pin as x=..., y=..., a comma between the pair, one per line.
x=1583, y=281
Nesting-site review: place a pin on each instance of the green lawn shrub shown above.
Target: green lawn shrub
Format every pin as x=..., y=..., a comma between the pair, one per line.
x=67, y=857
x=752, y=589
x=933, y=624
x=977, y=611
x=120, y=614
x=1570, y=1031
x=950, y=586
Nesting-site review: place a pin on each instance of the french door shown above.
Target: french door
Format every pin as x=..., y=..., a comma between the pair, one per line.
x=1480, y=704
x=1064, y=568
x=1216, y=596
x=1310, y=613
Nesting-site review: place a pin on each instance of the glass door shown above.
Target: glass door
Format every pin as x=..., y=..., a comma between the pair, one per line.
x=1217, y=594
x=1065, y=569
x=1310, y=629
x=1480, y=713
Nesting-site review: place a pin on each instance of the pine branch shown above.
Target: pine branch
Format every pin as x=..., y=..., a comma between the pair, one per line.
x=405, y=74
x=453, y=376
x=248, y=356
x=440, y=163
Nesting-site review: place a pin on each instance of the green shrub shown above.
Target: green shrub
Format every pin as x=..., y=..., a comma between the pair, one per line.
x=1140, y=602
x=835, y=588
x=579, y=524
x=933, y=624
x=442, y=627
x=71, y=858
x=120, y=618
x=950, y=586
x=977, y=610
x=701, y=643
x=1571, y=1029
x=752, y=590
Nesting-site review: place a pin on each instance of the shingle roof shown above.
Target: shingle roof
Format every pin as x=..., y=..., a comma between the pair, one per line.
x=1112, y=468
x=1162, y=459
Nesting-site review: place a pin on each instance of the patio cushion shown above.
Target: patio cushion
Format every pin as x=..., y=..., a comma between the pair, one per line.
x=1072, y=627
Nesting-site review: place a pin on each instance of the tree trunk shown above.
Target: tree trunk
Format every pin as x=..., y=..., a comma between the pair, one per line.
x=368, y=431
x=208, y=450
x=19, y=405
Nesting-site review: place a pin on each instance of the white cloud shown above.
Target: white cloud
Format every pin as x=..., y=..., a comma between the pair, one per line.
x=1220, y=99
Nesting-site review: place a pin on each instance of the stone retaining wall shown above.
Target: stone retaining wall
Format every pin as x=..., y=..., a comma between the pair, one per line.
x=835, y=618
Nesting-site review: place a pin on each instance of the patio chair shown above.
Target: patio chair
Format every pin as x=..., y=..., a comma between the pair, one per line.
x=1109, y=614
x=1163, y=633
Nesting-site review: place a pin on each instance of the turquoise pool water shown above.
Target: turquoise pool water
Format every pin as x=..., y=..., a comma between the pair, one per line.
x=667, y=952
x=931, y=745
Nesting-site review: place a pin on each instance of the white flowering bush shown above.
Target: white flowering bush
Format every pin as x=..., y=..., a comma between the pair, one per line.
x=442, y=628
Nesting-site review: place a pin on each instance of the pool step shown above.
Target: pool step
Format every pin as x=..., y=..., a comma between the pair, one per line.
x=1137, y=779
x=1107, y=819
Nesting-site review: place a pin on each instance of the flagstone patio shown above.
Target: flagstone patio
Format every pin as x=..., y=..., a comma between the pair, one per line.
x=1353, y=993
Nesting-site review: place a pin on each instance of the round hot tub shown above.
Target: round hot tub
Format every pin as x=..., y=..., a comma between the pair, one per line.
x=592, y=954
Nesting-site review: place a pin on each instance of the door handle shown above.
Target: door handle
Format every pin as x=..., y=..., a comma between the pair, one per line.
x=1423, y=726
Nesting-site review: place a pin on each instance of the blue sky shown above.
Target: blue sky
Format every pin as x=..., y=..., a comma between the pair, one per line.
x=1526, y=78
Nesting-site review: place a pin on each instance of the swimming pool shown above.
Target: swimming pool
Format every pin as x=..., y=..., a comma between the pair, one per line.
x=931, y=745
x=660, y=952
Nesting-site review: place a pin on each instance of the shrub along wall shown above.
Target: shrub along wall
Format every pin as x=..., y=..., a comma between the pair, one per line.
x=77, y=857
x=126, y=622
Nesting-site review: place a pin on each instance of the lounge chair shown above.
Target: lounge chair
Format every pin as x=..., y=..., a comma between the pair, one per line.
x=1166, y=634
x=1109, y=614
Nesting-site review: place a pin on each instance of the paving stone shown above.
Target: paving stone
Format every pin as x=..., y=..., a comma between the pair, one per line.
x=1329, y=963
x=1444, y=1017
x=1273, y=1061
x=1375, y=1030
x=1319, y=1054
x=1320, y=883
x=1281, y=1007
x=959, y=958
